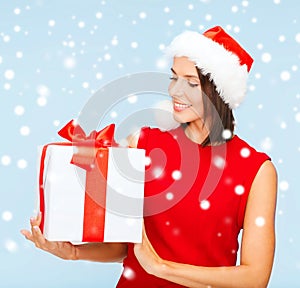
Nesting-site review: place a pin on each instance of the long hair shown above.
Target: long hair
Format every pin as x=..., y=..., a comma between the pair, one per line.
x=219, y=113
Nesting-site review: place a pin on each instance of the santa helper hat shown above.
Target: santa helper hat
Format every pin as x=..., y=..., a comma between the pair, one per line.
x=216, y=53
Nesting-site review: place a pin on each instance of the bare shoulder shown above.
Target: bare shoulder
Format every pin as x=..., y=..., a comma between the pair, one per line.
x=266, y=174
x=263, y=193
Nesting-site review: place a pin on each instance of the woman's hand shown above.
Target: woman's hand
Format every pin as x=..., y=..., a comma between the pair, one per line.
x=64, y=250
x=147, y=256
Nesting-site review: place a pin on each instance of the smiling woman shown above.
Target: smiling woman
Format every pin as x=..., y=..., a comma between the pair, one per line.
x=211, y=184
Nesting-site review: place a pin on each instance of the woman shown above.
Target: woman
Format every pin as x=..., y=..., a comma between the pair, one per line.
x=212, y=184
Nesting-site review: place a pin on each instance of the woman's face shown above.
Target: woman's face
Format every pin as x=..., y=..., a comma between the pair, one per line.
x=185, y=90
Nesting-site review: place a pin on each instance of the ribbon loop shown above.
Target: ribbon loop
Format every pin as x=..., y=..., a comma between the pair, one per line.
x=87, y=146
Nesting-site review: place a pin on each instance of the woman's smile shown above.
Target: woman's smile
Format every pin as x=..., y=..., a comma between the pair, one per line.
x=178, y=107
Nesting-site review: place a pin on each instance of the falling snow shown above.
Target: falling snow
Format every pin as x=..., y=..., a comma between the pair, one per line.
x=5, y=160
x=11, y=246
x=283, y=185
x=219, y=162
x=204, y=204
x=49, y=66
x=7, y=216
x=129, y=273
x=19, y=110
x=226, y=134
x=245, y=152
x=176, y=175
x=260, y=221
x=239, y=189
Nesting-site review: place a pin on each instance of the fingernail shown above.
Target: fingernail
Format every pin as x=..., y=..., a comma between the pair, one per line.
x=32, y=219
x=36, y=228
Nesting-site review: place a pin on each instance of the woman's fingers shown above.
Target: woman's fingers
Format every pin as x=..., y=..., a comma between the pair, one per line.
x=27, y=235
x=39, y=239
x=36, y=221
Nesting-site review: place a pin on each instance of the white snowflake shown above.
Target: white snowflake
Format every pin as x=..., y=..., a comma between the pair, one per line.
x=208, y=17
x=176, y=175
x=85, y=85
x=99, y=15
x=132, y=98
x=204, y=204
x=171, y=22
x=19, y=110
x=129, y=273
x=113, y=114
x=285, y=75
x=22, y=164
x=187, y=23
x=5, y=160
x=17, y=11
x=166, y=9
x=226, y=134
x=9, y=74
x=219, y=162
x=41, y=101
x=234, y=9
x=7, y=216
x=245, y=152
x=107, y=57
x=134, y=45
x=281, y=38
x=24, y=130
x=170, y=196
x=11, y=246
x=7, y=86
x=147, y=161
x=260, y=221
x=157, y=172
x=239, y=189
x=19, y=54
x=143, y=15
x=69, y=62
x=283, y=185
x=266, y=144
x=81, y=24
x=43, y=90
x=17, y=28
x=266, y=57
x=51, y=23
x=161, y=63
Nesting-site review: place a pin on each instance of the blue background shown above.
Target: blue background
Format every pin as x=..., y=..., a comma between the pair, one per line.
x=55, y=54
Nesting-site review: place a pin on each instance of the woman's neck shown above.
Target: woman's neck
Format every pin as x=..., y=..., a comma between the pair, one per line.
x=196, y=132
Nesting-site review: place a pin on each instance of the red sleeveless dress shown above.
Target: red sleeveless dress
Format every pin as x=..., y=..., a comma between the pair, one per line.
x=195, y=200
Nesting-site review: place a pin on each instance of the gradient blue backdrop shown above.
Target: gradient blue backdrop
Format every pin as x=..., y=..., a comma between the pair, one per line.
x=55, y=54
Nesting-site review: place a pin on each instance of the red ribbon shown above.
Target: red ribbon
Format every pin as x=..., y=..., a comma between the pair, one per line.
x=91, y=155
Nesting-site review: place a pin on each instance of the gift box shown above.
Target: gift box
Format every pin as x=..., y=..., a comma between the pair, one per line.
x=91, y=190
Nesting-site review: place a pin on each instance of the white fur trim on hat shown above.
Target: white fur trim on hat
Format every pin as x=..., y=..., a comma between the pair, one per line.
x=229, y=76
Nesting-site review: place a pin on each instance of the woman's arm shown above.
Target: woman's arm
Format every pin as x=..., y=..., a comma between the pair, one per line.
x=257, y=251
x=100, y=252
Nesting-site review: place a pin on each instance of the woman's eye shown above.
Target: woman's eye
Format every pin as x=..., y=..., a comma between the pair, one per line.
x=193, y=84
x=173, y=78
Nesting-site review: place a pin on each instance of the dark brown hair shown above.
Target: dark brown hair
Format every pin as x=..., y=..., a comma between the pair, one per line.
x=221, y=116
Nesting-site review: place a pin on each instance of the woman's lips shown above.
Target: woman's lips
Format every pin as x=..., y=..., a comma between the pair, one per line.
x=178, y=107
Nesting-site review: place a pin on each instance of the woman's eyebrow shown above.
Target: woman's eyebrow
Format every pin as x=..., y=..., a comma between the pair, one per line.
x=173, y=71
x=186, y=76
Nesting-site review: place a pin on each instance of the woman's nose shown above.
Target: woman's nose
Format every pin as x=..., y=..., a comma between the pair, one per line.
x=177, y=88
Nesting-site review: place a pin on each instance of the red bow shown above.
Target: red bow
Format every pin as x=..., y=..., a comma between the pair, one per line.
x=87, y=146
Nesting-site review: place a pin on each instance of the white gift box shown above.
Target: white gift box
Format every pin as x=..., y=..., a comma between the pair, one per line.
x=111, y=212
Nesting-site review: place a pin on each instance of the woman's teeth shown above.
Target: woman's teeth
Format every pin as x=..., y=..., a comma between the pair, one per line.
x=180, y=107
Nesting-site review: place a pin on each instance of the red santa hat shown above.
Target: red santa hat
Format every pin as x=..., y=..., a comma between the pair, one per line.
x=218, y=54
